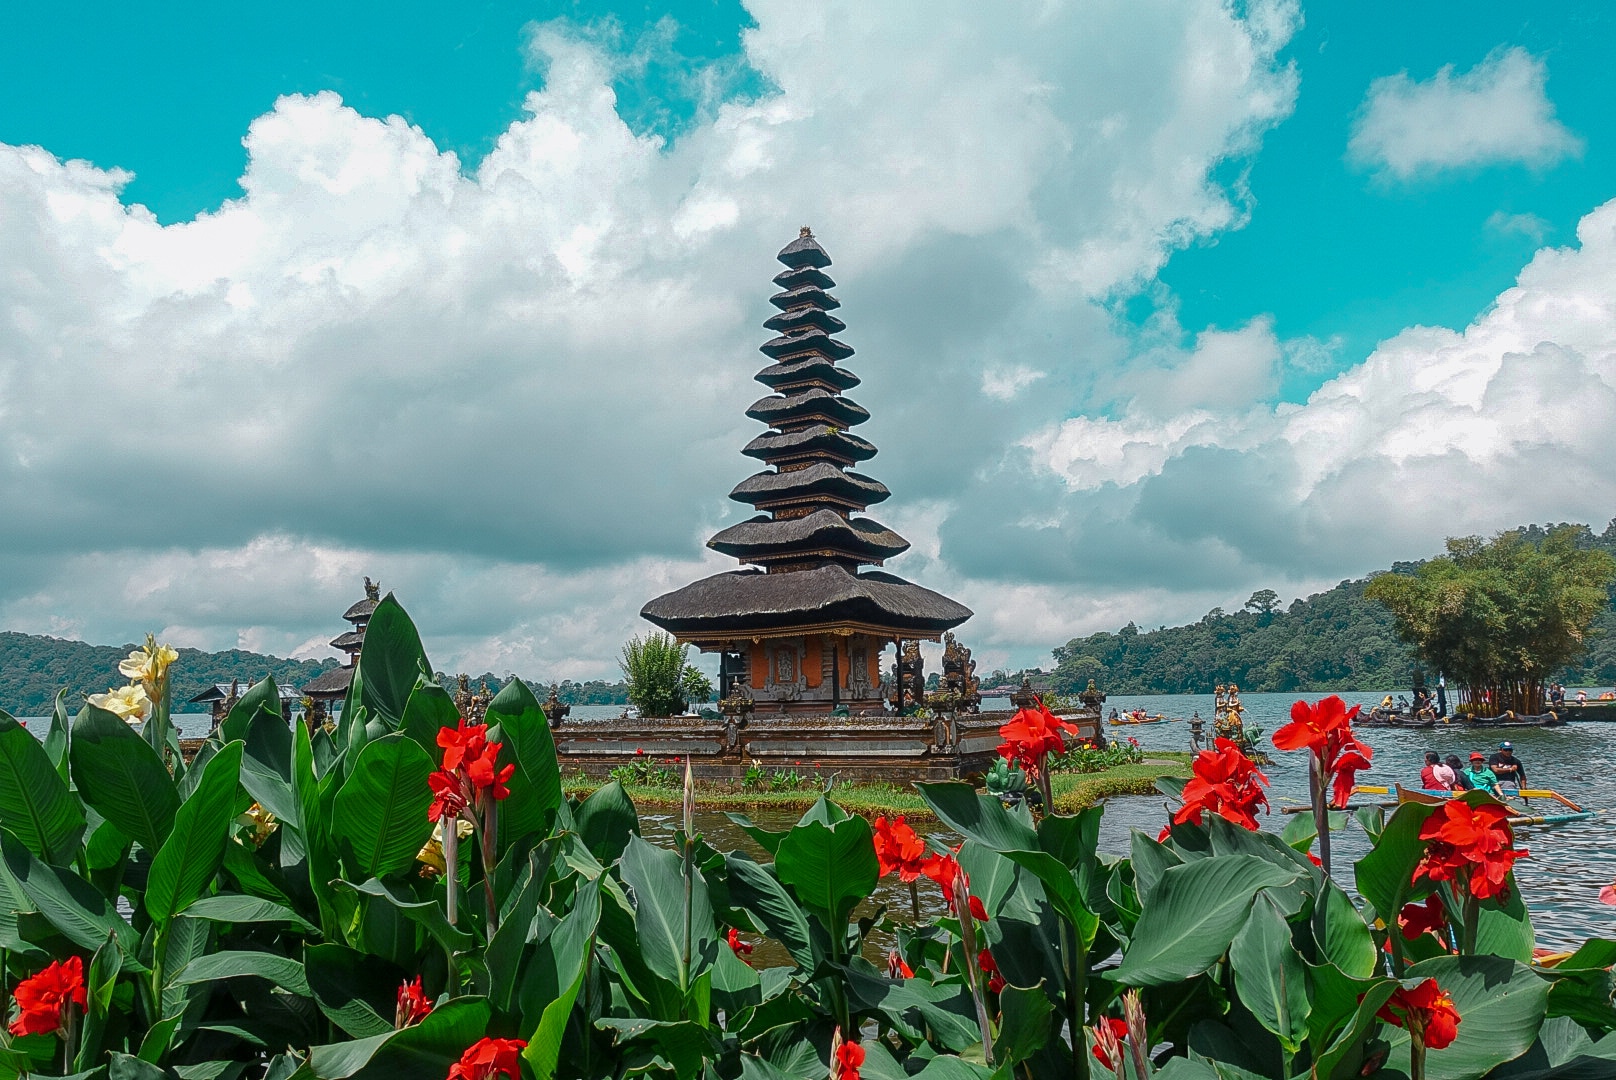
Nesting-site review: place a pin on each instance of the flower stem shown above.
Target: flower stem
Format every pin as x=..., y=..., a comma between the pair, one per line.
x=489, y=851
x=451, y=863
x=1321, y=811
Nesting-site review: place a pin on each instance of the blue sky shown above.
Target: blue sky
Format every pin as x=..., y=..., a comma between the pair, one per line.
x=1143, y=262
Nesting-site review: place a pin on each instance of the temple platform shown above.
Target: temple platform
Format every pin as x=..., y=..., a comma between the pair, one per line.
x=876, y=747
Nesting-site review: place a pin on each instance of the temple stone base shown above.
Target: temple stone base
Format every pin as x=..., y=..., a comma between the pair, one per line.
x=891, y=748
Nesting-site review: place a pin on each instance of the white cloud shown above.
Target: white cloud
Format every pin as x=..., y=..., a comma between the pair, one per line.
x=1497, y=112
x=514, y=391
x=1530, y=226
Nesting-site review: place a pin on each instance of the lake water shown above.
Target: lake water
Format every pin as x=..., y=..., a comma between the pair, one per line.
x=1561, y=879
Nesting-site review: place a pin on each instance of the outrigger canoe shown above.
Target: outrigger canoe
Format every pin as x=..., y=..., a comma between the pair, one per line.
x=1122, y=721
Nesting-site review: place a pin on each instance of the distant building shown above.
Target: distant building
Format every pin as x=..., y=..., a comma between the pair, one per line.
x=331, y=687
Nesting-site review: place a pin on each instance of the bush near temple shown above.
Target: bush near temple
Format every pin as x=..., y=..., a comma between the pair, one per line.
x=286, y=906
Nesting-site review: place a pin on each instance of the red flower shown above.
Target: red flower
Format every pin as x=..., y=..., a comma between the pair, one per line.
x=1032, y=733
x=459, y=743
x=488, y=1059
x=899, y=849
x=1427, y=918
x=1472, y=846
x=1110, y=1030
x=1315, y=860
x=448, y=797
x=985, y=961
x=941, y=869
x=849, y=1058
x=1426, y=1012
x=1326, y=730
x=896, y=968
x=737, y=946
x=1226, y=783
x=413, y=1005
x=978, y=911
x=1607, y=894
x=42, y=999
x=484, y=774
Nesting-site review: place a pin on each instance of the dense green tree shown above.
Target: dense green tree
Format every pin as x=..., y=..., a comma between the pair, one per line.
x=654, y=668
x=1501, y=617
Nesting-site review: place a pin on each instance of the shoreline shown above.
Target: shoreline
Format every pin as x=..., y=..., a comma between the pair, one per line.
x=1073, y=791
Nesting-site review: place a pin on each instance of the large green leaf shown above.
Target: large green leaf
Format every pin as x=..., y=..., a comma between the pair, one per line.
x=34, y=801
x=1192, y=916
x=122, y=777
x=528, y=744
x=189, y=858
x=1343, y=936
x=1504, y=927
x=1385, y=876
x=283, y=971
x=1024, y=1024
x=236, y=908
x=980, y=816
x=379, y=816
x=755, y=889
x=426, y=913
x=390, y=662
x=424, y=1050
x=356, y=992
x=606, y=820
x=256, y=720
x=1270, y=975
x=562, y=962
x=71, y=904
x=829, y=868
x=56, y=736
x=429, y=710
x=319, y=849
x=657, y=877
x=1501, y=1004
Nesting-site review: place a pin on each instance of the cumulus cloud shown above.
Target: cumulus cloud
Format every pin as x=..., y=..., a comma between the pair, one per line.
x=1497, y=112
x=512, y=389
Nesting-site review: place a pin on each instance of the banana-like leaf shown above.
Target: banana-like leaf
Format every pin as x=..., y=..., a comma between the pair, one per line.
x=1270, y=975
x=34, y=801
x=283, y=971
x=379, y=817
x=563, y=959
x=830, y=868
x=428, y=710
x=1192, y=916
x=189, y=858
x=657, y=877
x=426, y=1049
x=356, y=991
x=71, y=904
x=122, y=777
x=390, y=663
x=605, y=820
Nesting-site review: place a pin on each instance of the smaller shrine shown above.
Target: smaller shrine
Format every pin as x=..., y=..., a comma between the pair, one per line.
x=329, y=688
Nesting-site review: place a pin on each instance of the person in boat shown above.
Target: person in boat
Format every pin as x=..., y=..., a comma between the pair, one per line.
x=1582, y=697
x=1481, y=777
x=1114, y=715
x=1557, y=696
x=1506, y=766
x=1435, y=776
x=1386, y=702
x=1460, y=781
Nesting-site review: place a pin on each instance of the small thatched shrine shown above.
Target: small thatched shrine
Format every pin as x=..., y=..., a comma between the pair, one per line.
x=803, y=625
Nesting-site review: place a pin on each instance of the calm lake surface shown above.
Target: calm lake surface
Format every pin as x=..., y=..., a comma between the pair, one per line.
x=1561, y=879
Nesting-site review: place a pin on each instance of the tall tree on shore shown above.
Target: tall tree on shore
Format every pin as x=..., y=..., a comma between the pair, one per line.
x=1499, y=617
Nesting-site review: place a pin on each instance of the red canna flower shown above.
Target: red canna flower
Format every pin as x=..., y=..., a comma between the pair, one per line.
x=448, y=796
x=1426, y=1012
x=985, y=961
x=43, y=999
x=896, y=968
x=1326, y=730
x=941, y=869
x=1607, y=894
x=1472, y=846
x=484, y=773
x=978, y=911
x=1427, y=918
x=462, y=742
x=1225, y=783
x=1032, y=733
x=1109, y=1035
x=413, y=1004
x=849, y=1058
x=899, y=849
x=1315, y=860
x=737, y=946
x=489, y=1059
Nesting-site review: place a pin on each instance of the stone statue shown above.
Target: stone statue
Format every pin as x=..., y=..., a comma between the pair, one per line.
x=373, y=589
x=909, y=682
x=959, y=675
x=1092, y=698
x=554, y=710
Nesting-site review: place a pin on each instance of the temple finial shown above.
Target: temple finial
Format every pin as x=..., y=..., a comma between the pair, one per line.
x=804, y=233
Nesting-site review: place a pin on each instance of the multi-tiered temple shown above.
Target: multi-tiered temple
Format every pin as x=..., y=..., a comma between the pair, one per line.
x=805, y=626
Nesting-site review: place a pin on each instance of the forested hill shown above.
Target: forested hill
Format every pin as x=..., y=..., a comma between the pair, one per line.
x=33, y=668
x=1334, y=640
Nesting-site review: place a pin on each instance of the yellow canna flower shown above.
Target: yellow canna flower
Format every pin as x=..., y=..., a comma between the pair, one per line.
x=129, y=702
x=148, y=664
x=260, y=824
x=431, y=853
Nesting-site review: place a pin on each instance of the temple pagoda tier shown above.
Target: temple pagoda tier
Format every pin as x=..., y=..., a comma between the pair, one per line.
x=806, y=628
x=330, y=687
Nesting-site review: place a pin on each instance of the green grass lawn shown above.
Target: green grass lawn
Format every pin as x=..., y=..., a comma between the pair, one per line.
x=1073, y=791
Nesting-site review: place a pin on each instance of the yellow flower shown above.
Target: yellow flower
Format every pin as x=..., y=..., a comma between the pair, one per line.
x=148, y=664
x=431, y=853
x=129, y=702
x=260, y=823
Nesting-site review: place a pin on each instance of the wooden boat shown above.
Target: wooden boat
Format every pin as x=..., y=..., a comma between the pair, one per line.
x=1379, y=717
x=1594, y=711
x=1510, y=720
x=1127, y=720
x=1518, y=815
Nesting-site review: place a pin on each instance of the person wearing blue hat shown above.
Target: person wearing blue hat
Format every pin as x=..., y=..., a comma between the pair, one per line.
x=1506, y=766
